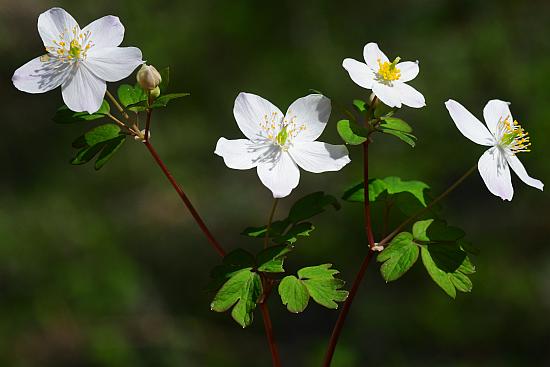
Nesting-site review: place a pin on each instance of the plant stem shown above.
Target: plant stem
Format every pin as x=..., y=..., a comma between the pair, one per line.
x=269, y=220
x=117, y=105
x=428, y=207
x=361, y=273
x=185, y=200
x=269, y=333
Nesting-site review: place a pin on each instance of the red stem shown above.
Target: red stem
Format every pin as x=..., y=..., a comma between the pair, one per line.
x=360, y=274
x=185, y=200
x=269, y=333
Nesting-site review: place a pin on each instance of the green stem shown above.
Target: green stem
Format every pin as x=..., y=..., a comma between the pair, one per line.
x=269, y=221
x=117, y=105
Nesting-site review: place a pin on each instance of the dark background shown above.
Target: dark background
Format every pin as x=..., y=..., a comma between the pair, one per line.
x=108, y=269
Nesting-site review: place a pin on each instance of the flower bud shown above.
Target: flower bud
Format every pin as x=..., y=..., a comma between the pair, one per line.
x=148, y=77
x=155, y=93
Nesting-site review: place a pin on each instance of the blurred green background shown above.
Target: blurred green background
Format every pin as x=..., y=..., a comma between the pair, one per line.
x=108, y=269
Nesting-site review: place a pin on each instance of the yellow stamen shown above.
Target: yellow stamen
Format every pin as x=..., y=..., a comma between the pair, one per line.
x=388, y=71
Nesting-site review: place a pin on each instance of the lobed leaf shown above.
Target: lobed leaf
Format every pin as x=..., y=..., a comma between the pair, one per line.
x=351, y=133
x=398, y=257
x=392, y=185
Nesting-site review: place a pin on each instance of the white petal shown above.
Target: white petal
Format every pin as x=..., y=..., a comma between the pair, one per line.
x=468, y=124
x=494, y=111
x=280, y=175
x=495, y=173
x=38, y=76
x=310, y=112
x=83, y=91
x=389, y=95
x=113, y=63
x=410, y=96
x=519, y=169
x=107, y=31
x=409, y=70
x=359, y=72
x=251, y=111
x=317, y=157
x=56, y=24
x=240, y=153
x=372, y=54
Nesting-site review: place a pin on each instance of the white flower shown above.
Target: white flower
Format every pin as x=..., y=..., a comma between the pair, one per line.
x=78, y=60
x=277, y=144
x=505, y=137
x=386, y=79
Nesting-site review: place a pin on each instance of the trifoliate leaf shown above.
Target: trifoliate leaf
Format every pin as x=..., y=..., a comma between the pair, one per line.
x=351, y=133
x=101, y=133
x=398, y=257
x=104, y=139
x=317, y=282
x=394, y=123
x=111, y=147
x=65, y=116
x=242, y=292
x=392, y=185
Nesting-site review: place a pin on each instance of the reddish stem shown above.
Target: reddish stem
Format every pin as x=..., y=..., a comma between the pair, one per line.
x=185, y=200
x=360, y=274
x=269, y=333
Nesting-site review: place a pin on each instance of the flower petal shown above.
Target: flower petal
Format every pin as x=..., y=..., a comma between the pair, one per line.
x=410, y=96
x=38, y=76
x=310, y=112
x=56, y=24
x=468, y=124
x=519, y=169
x=494, y=111
x=240, y=153
x=251, y=111
x=317, y=157
x=388, y=94
x=359, y=72
x=107, y=31
x=493, y=168
x=372, y=54
x=113, y=63
x=83, y=91
x=280, y=175
x=408, y=69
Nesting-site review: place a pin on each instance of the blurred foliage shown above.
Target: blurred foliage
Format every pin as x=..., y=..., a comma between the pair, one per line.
x=106, y=268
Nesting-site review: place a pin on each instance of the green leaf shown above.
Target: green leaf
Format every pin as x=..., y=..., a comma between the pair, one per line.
x=398, y=257
x=405, y=137
x=351, y=133
x=394, y=123
x=294, y=294
x=392, y=185
x=302, y=229
x=86, y=154
x=130, y=96
x=360, y=105
x=311, y=205
x=242, y=292
x=111, y=147
x=232, y=262
x=66, y=116
x=101, y=133
x=431, y=230
x=163, y=100
x=317, y=282
x=271, y=259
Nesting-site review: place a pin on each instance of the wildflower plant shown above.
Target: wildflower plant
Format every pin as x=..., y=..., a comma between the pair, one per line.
x=278, y=145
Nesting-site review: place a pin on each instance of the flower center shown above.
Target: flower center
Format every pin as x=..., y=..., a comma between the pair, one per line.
x=73, y=50
x=513, y=136
x=280, y=132
x=388, y=71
